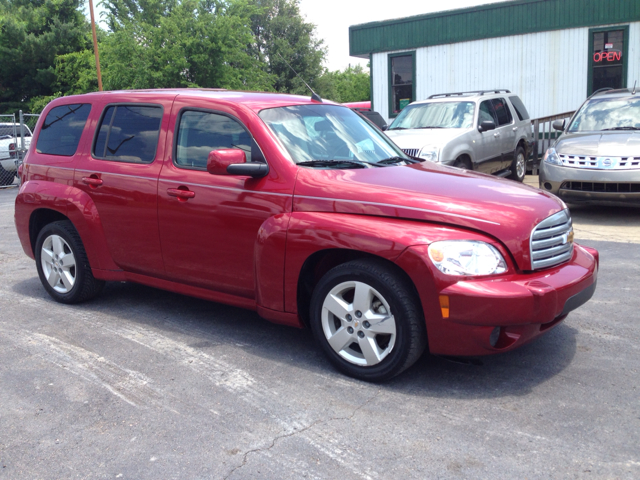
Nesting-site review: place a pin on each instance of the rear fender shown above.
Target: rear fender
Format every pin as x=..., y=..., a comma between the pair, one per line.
x=74, y=204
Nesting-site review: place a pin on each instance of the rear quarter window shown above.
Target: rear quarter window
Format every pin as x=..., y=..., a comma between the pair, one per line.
x=519, y=107
x=129, y=133
x=62, y=128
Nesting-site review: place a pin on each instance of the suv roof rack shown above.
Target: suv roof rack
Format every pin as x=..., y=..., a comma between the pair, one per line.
x=459, y=94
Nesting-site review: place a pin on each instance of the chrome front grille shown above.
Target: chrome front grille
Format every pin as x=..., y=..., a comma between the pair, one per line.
x=412, y=152
x=600, y=163
x=552, y=241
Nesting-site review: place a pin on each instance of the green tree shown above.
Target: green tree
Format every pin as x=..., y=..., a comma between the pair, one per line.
x=180, y=43
x=350, y=85
x=32, y=34
x=280, y=30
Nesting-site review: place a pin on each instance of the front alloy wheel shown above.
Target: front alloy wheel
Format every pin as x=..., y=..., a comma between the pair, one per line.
x=358, y=324
x=367, y=318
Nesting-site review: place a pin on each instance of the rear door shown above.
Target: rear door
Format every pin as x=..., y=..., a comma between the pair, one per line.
x=505, y=131
x=120, y=174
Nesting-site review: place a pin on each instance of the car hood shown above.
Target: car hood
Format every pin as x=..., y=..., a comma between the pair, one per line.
x=418, y=138
x=503, y=209
x=600, y=144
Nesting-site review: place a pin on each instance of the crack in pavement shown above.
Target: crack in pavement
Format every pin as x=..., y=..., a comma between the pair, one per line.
x=297, y=432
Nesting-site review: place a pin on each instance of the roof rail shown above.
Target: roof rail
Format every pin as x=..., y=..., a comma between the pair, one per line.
x=459, y=94
x=600, y=90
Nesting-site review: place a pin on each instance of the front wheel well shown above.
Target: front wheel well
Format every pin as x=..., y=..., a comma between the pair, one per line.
x=40, y=219
x=319, y=263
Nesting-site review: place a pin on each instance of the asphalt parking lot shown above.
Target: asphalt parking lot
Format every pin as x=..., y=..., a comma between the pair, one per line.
x=145, y=384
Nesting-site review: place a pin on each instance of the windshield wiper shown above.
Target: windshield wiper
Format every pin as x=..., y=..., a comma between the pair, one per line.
x=433, y=126
x=395, y=160
x=622, y=128
x=323, y=163
x=397, y=128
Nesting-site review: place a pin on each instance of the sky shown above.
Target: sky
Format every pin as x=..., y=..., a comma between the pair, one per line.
x=332, y=19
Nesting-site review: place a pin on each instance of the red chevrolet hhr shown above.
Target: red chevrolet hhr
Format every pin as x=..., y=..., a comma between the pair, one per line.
x=301, y=210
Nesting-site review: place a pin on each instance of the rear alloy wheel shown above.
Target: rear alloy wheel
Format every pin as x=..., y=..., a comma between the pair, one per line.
x=368, y=320
x=63, y=266
x=519, y=166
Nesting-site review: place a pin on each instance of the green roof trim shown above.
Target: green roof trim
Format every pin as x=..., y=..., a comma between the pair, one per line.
x=502, y=19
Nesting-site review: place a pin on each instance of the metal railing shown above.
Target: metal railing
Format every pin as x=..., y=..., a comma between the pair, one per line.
x=543, y=136
x=15, y=144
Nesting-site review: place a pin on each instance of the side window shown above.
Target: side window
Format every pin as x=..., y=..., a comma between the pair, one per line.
x=519, y=108
x=487, y=113
x=502, y=111
x=129, y=133
x=61, y=130
x=201, y=132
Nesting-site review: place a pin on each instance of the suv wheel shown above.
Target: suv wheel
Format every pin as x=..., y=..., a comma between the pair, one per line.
x=63, y=266
x=368, y=320
x=519, y=165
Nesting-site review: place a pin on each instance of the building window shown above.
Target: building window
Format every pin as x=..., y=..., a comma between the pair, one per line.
x=607, y=62
x=401, y=81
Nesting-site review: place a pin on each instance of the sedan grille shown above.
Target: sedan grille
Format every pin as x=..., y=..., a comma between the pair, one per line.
x=600, y=163
x=412, y=152
x=552, y=241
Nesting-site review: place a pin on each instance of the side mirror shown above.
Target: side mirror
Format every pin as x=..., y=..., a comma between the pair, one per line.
x=232, y=161
x=486, y=125
x=558, y=124
x=385, y=127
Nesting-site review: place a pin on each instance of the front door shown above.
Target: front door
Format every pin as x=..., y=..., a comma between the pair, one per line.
x=209, y=224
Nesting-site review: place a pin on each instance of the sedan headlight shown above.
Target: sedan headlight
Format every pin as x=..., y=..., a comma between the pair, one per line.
x=551, y=156
x=430, y=153
x=466, y=257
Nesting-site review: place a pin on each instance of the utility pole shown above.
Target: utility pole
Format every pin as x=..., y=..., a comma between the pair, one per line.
x=95, y=45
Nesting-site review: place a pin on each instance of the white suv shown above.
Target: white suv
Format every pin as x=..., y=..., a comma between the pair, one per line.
x=488, y=131
x=9, y=143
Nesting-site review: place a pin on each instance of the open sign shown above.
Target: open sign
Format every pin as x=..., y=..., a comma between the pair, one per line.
x=609, y=56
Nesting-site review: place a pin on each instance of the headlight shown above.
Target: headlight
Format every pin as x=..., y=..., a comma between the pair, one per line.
x=466, y=257
x=551, y=156
x=430, y=153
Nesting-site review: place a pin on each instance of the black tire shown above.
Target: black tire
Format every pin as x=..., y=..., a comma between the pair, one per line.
x=74, y=284
x=386, y=287
x=6, y=177
x=463, y=162
x=519, y=165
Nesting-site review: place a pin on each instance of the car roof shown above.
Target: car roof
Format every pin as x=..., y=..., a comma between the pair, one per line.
x=255, y=101
x=466, y=96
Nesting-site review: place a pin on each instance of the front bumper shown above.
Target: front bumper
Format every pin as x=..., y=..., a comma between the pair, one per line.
x=581, y=185
x=519, y=307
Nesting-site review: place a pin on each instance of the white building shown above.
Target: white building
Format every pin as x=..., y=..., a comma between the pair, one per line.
x=552, y=53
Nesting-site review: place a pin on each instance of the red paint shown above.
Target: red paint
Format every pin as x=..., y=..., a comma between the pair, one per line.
x=244, y=241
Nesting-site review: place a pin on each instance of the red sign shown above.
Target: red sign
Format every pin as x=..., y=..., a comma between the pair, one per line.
x=610, y=56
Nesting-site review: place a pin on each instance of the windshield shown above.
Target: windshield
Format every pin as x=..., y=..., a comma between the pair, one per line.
x=435, y=115
x=608, y=114
x=327, y=133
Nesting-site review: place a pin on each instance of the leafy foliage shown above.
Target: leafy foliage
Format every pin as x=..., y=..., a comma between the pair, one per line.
x=32, y=34
x=46, y=49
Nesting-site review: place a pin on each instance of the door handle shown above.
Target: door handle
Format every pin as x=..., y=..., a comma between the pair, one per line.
x=515, y=128
x=181, y=194
x=496, y=134
x=92, y=181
